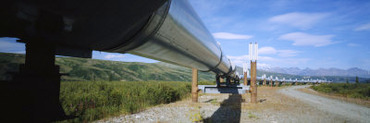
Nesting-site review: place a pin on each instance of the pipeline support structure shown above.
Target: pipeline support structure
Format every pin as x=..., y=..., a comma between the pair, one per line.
x=194, y=85
x=253, y=82
x=253, y=56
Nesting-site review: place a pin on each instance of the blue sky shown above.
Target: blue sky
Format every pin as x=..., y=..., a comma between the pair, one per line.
x=290, y=33
x=314, y=34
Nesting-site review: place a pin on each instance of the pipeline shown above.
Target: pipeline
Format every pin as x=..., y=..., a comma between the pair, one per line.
x=175, y=34
x=164, y=30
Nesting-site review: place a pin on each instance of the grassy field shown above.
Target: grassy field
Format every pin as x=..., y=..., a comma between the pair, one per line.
x=359, y=90
x=81, y=69
x=96, y=100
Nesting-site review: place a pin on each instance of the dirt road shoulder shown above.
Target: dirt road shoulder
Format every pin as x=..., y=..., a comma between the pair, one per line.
x=350, y=111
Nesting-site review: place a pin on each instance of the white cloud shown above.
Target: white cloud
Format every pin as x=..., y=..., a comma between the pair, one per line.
x=263, y=66
x=226, y=35
x=267, y=50
x=239, y=60
x=298, y=19
x=287, y=53
x=352, y=45
x=281, y=53
x=304, y=39
x=284, y=61
x=113, y=56
x=265, y=60
x=9, y=45
x=363, y=27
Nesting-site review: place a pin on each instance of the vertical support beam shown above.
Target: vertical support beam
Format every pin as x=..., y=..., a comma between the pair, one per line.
x=245, y=78
x=253, y=82
x=276, y=83
x=37, y=85
x=194, y=87
x=264, y=82
x=271, y=82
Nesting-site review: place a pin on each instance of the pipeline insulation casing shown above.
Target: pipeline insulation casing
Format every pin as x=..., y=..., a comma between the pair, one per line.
x=175, y=34
x=165, y=30
x=256, y=53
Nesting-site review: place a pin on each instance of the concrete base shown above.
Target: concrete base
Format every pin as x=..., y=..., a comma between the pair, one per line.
x=213, y=89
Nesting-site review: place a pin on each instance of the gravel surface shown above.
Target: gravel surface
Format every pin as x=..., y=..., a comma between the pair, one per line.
x=275, y=105
x=350, y=111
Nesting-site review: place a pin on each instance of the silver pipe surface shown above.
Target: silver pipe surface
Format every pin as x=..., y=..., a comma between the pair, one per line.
x=175, y=34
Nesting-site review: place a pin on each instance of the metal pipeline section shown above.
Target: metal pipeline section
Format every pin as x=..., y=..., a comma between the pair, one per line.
x=175, y=34
x=165, y=30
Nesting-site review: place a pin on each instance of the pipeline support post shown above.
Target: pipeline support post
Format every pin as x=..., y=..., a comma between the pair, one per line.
x=194, y=87
x=253, y=56
x=37, y=86
x=276, y=83
x=245, y=78
x=271, y=82
x=253, y=82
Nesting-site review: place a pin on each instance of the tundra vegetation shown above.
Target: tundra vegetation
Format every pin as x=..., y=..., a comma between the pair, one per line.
x=351, y=90
x=89, y=101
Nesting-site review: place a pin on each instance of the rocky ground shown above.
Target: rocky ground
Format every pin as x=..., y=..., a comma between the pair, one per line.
x=285, y=104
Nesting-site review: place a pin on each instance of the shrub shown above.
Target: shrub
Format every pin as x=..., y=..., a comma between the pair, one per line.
x=95, y=100
x=348, y=90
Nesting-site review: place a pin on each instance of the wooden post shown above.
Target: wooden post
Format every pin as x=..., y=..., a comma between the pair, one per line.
x=253, y=82
x=194, y=87
x=245, y=78
x=276, y=83
x=271, y=82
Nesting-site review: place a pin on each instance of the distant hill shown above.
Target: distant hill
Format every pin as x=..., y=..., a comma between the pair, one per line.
x=352, y=72
x=290, y=74
x=81, y=69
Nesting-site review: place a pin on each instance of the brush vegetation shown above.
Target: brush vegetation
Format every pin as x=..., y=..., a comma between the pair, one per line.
x=82, y=69
x=90, y=101
x=357, y=90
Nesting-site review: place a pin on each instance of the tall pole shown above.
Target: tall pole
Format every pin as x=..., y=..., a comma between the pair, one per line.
x=194, y=87
x=264, y=80
x=253, y=82
x=271, y=82
x=245, y=71
x=253, y=55
x=245, y=78
x=276, y=83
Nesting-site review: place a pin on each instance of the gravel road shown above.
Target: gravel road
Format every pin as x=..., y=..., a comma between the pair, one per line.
x=348, y=110
x=276, y=105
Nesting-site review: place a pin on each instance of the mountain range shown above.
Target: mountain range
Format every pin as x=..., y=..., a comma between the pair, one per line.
x=351, y=72
x=82, y=69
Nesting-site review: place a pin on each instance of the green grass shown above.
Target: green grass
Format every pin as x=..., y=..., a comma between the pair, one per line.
x=361, y=91
x=82, y=69
x=250, y=115
x=91, y=101
x=207, y=83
